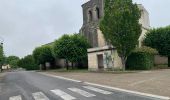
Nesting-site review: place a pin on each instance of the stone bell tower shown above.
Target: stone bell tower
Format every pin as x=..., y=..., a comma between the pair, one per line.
x=93, y=11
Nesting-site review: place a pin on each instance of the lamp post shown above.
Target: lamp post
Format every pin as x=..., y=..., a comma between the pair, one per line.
x=1, y=52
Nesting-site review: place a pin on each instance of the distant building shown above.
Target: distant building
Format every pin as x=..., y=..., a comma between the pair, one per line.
x=102, y=55
x=5, y=67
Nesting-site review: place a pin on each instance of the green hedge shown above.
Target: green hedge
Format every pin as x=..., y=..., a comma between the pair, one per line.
x=141, y=59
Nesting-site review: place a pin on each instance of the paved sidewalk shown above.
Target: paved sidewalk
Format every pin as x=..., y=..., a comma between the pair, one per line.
x=153, y=82
x=1, y=75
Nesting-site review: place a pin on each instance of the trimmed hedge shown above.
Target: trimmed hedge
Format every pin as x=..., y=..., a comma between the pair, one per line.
x=141, y=59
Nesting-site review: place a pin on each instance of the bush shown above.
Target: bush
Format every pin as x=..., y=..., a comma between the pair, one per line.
x=141, y=59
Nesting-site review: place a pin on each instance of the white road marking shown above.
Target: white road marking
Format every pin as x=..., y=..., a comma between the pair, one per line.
x=15, y=98
x=39, y=96
x=113, y=88
x=63, y=95
x=60, y=77
x=97, y=90
x=82, y=92
x=129, y=91
x=143, y=81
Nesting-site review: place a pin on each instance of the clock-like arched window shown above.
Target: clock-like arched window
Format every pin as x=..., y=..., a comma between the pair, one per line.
x=90, y=15
x=98, y=13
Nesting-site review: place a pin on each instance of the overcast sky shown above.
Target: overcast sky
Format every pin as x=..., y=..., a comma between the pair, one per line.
x=26, y=24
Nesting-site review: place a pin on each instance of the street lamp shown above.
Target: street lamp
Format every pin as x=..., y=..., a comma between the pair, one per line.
x=1, y=40
x=1, y=47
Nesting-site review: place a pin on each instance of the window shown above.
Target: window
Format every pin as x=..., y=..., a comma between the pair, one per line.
x=90, y=15
x=97, y=13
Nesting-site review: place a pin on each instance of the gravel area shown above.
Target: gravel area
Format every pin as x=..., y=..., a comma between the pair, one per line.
x=154, y=82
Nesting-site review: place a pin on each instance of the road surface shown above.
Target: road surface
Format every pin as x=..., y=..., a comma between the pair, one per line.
x=35, y=86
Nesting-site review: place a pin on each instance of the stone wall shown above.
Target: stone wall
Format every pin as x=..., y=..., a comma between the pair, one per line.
x=100, y=38
x=144, y=20
x=60, y=63
x=160, y=60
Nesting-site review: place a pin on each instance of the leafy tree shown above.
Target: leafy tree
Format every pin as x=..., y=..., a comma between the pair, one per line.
x=43, y=54
x=73, y=48
x=12, y=61
x=28, y=63
x=159, y=39
x=120, y=26
x=81, y=46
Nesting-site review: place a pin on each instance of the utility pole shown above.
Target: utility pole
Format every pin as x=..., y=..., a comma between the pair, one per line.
x=1, y=53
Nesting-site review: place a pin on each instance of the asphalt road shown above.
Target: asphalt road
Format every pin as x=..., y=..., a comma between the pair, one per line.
x=35, y=86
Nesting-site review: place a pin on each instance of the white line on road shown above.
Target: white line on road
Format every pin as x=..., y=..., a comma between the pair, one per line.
x=15, y=98
x=143, y=81
x=113, y=88
x=39, y=96
x=63, y=95
x=60, y=77
x=97, y=90
x=82, y=92
x=129, y=91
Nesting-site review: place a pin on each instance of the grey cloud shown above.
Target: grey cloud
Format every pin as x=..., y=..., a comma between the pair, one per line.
x=26, y=24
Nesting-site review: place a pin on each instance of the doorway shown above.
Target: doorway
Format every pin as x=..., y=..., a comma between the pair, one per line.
x=100, y=62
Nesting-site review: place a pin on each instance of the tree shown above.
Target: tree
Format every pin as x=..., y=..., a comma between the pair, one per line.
x=28, y=63
x=12, y=61
x=72, y=48
x=81, y=45
x=120, y=26
x=43, y=54
x=159, y=39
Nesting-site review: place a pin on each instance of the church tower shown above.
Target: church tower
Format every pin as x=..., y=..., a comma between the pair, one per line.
x=92, y=13
x=103, y=56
